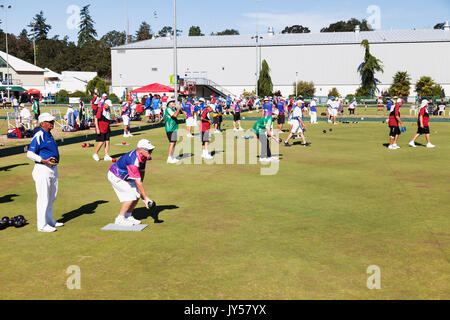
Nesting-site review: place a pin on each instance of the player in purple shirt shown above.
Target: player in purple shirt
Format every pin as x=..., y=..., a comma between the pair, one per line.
x=126, y=177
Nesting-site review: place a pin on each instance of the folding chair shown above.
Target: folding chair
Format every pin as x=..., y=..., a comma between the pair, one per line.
x=59, y=119
x=442, y=110
x=13, y=119
x=413, y=109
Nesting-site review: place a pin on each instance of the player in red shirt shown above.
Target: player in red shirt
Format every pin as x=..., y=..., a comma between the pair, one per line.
x=94, y=105
x=422, y=124
x=206, y=126
x=102, y=129
x=394, y=122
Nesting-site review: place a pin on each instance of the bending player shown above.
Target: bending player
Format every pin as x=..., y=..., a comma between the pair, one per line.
x=126, y=177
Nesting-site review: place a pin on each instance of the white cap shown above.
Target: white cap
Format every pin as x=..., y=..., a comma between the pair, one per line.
x=109, y=103
x=400, y=100
x=145, y=144
x=104, y=95
x=46, y=117
x=425, y=102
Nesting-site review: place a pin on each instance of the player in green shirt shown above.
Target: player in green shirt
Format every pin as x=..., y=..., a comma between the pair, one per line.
x=36, y=109
x=262, y=128
x=171, y=126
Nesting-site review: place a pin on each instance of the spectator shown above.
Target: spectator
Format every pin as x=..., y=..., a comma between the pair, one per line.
x=25, y=117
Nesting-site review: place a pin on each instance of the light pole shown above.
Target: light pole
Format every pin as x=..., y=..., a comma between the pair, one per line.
x=258, y=64
x=296, y=84
x=7, y=55
x=175, y=62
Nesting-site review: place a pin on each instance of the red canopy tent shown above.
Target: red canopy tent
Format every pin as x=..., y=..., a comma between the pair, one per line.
x=154, y=88
x=33, y=91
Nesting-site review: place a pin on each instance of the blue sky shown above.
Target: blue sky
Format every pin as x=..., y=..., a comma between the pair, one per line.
x=215, y=15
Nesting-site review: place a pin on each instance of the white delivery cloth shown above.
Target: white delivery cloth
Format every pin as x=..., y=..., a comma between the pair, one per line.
x=46, y=179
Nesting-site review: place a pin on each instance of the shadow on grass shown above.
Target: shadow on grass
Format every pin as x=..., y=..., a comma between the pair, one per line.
x=8, y=198
x=143, y=213
x=86, y=209
x=185, y=156
x=8, y=168
x=119, y=155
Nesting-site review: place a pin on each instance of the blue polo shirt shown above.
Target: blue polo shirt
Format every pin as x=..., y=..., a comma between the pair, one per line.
x=44, y=145
x=267, y=107
x=155, y=103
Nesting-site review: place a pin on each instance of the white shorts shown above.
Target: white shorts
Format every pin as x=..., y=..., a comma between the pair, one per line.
x=126, y=120
x=290, y=122
x=296, y=128
x=126, y=191
x=191, y=122
x=334, y=112
x=156, y=112
x=148, y=112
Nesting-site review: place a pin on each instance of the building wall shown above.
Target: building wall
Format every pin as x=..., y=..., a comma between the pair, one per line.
x=28, y=80
x=327, y=66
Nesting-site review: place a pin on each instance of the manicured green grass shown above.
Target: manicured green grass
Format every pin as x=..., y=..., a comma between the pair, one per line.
x=308, y=232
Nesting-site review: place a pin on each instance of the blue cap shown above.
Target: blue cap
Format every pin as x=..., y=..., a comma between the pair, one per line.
x=332, y=97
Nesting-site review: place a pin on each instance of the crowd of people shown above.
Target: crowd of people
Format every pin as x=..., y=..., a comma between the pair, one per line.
x=126, y=175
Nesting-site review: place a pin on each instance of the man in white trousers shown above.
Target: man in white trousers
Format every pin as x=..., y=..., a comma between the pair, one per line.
x=313, y=111
x=44, y=152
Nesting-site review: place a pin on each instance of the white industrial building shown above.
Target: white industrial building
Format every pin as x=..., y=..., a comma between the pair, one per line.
x=329, y=60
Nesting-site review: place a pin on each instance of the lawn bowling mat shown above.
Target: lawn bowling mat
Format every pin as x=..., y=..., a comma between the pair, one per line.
x=115, y=227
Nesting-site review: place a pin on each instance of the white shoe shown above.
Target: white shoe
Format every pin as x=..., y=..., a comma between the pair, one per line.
x=172, y=160
x=96, y=158
x=240, y=129
x=274, y=159
x=264, y=159
x=207, y=157
x=217, y=131
x=125, y=135
x=122, y=221
x=134, y=221
x=412, y=144
x=47, y=228
x=396, y=146
x=59, y=224
x=429, y=145
x=107, y=158
x=130, y=135
x=189, y=135
x=235, y=130
x=391, y=147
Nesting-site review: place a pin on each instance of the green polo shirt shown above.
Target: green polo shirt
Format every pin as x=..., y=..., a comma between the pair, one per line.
x=263, y=124
x=171, y=124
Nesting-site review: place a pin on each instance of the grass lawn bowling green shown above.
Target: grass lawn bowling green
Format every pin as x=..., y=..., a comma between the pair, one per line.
x=308, y=232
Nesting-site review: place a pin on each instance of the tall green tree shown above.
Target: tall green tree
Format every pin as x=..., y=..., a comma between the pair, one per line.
x=333, y=93
x=265, y=85
x=168, y=29
x=427, y=87
x=368, y=69
x=348, y=26
x=226, y=32
x=114, y=38
x=296, y=29
x=401, y=84
x=144, y=32
x=87, y=32
x=96, y=85
x=39, y=28
x=195, y=31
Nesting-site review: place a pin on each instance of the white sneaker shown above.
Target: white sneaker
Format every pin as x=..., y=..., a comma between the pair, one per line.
x=235, y=130
x=429, y=145
x=217, y=131
x=264, y=159
x=130, y=135
x=391, y=147
x=107, y=158
x=240, y=129
x=274, y=159
x=122, y=221
x=96, y=158
x=125, y=135
x=134, y=221
x=189, y=135
x=412, y=144
x=59, y=224
x=47, y=228
x=172, y=160
x=396, y=146
x=207, y=157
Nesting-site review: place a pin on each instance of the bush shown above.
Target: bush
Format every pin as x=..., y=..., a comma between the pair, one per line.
x=361, y=92
x=333, y=92
x=62, y=94
x=79, y=94
x=305, y=89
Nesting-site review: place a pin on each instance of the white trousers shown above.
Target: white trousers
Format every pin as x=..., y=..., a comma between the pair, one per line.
x=46, y=180
x=313, y=117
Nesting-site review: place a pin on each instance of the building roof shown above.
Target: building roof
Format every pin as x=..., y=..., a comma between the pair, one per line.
x=51, y=74
x=20, y=65
x=324, y=38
